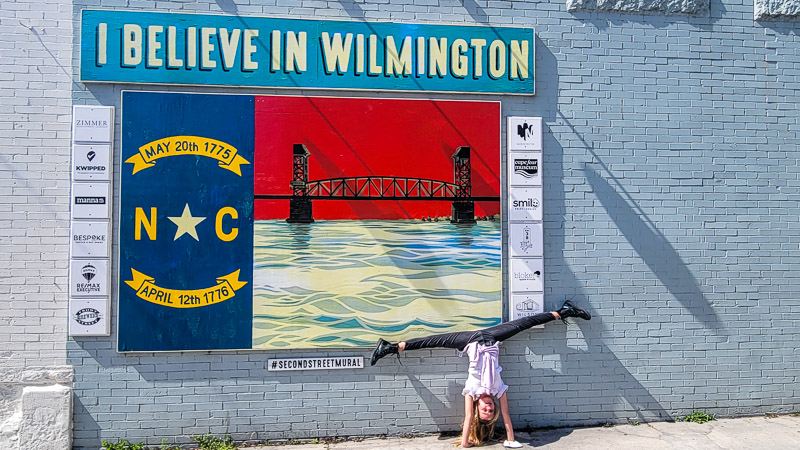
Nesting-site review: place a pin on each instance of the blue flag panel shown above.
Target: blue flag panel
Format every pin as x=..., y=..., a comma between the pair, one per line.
x=186, y=222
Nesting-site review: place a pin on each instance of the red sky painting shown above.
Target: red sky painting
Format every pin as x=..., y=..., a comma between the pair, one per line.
x=353, y=137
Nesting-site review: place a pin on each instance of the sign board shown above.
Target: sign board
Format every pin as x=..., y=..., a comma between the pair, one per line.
x=524, y=134
x=339, y=362
x=92, y=123
x=91, y=162
x=88, y=278
x=525, y=169
x=525, y=213
x=91, y=200
x=525, y=305
x=526, y=239
x=525, y=204
x=527, y=275
x=203, y=49
x=89, y=317
x=90, y=239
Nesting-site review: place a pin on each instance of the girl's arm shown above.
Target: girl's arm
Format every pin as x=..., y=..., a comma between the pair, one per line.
x=468, y=412
x=506, y=417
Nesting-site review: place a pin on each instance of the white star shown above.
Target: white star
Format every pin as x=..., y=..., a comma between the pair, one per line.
x=186, y=223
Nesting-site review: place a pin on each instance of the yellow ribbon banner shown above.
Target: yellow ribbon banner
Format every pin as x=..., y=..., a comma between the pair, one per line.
x=146, y=289
x=227, y=155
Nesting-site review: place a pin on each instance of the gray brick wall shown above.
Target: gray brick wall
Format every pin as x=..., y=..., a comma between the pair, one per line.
x=671, y=184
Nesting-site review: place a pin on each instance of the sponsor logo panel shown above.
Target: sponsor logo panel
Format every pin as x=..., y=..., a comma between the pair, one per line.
x=525, y=204
x=89, y=278
x=89, y=317
x=526, y=239
x=525, y=169
x=91, y=162
x=524, y=133
x=91, y=200
x=527, y=275
x=90, y=239
x=92, y=123
x=526, y=305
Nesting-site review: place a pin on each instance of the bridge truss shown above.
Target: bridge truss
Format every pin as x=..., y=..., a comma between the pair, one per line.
x=352, y=188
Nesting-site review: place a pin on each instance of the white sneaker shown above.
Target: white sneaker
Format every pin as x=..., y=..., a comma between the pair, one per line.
x=512, y=444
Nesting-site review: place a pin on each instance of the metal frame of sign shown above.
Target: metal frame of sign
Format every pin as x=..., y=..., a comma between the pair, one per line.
x=526, y=227
x=90, y=313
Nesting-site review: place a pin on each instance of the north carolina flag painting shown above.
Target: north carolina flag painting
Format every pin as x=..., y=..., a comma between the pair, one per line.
x=267, y=222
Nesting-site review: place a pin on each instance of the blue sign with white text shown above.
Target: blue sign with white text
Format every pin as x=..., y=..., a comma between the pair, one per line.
x=198, y=49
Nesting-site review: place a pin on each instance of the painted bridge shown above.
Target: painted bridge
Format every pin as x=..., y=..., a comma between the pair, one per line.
x=373, y=188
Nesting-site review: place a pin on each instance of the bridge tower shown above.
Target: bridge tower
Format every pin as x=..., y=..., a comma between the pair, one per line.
x=300, y=205
x=463, y=211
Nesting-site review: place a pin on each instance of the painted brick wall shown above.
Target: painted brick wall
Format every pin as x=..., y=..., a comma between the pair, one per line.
x=671, y=180
x=35, y=109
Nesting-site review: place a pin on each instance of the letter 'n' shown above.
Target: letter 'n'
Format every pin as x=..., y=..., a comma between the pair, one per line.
x=141, y=220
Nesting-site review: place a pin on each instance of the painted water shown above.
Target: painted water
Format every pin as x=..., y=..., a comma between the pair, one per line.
x=344, y=283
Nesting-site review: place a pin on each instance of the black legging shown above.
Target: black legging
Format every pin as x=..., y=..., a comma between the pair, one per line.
x=486, y=336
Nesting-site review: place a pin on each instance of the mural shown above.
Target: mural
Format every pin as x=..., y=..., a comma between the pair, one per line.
x=305, y=222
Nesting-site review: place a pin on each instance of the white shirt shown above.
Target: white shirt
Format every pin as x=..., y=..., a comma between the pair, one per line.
x=484, y=371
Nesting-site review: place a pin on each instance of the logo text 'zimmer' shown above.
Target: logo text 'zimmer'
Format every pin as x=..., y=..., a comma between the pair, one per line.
x=91, y=123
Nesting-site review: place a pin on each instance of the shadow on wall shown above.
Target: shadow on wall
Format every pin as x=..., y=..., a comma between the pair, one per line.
x=352, y=9
x=444, y=415
x=83, y=424
x=655, y=250
x=475, y=11
x=575, y=381
x=560, y=282
x=582, y=381
x=228, y=6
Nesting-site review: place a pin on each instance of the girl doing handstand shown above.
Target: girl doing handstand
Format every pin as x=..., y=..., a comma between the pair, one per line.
x=484, y=390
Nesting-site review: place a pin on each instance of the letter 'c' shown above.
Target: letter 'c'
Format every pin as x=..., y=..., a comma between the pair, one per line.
x=226, y=211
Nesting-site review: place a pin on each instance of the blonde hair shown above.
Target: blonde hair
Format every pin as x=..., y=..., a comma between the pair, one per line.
x=481, y=430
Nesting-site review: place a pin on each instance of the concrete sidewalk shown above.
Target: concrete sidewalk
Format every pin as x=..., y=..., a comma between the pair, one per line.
x=759, y=433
